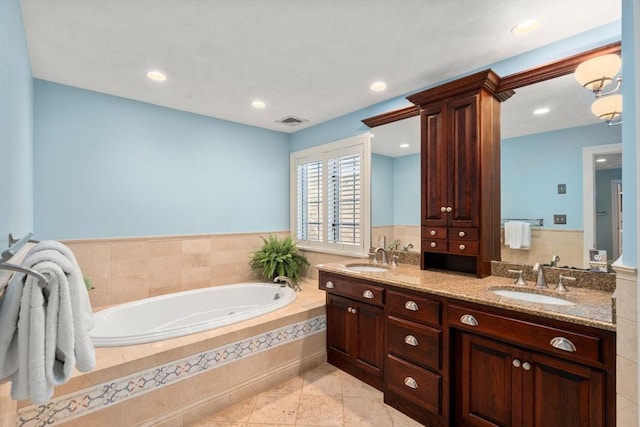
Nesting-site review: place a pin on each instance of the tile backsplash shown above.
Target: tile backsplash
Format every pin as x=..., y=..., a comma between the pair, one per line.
x=127, y=269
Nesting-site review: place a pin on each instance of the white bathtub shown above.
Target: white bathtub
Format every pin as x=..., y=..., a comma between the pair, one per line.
x=183, y=313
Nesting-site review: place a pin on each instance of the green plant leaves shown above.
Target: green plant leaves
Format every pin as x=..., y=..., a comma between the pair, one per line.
x=278, y=258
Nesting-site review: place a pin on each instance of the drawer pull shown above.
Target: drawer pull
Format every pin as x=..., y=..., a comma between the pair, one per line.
x=410, y=305
x=526, y=366
x=462, y=234
x=434, y=244
x=561, y=343
x=516, y=363
x=329, y=285
x=468, y=319
x=368, y=294
x=410, y=382
x=411, y=340
x=462, y=247
x=433, y=232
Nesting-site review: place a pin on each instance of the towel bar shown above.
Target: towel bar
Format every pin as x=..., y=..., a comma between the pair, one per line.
x=12, y=250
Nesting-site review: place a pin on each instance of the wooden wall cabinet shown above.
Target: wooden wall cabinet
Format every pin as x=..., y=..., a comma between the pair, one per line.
x=460, y=173
x=355, y=327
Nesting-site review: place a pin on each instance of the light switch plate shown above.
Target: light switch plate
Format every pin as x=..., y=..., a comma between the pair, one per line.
x=559, y=219
x=562, y=188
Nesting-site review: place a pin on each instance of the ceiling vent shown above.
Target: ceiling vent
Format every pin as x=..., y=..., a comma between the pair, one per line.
x=291, y=121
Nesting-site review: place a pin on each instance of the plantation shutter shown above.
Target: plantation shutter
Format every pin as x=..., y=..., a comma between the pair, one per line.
x=343, y=199
x=309, y=201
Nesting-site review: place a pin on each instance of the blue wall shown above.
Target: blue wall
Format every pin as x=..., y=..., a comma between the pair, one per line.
x=16, y=125
x=381, y=190
x=111, y=167
x=395, y=190
x=532, y=166
x=630, y=133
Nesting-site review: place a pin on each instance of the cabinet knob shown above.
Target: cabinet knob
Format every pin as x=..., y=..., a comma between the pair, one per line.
x=433, y=244
x=368, y=294
x=449, y=209
x=562, y=343
x=329, y=285
x=516, y=363
x=462, y=247
x=468, y=319
x=462, y=233
x=443, y=209
x=526, y=366
x=352, y=310
x=411, y=340
x=411, y=305
x=433, y=232
x=410, y=382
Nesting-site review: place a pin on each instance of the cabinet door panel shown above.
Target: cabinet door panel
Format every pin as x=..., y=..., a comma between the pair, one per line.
x=490, y=385
x=465, y=189
x=435, y=167
x=338, y=318
x=369, y=352
x=564, y=394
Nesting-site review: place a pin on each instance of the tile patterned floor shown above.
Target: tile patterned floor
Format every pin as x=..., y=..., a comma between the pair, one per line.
x=324, y=396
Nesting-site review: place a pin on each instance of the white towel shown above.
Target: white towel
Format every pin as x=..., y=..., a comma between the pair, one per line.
x=53, y=325
x=517, y=234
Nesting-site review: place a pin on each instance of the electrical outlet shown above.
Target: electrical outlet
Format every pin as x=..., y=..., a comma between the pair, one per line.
x=562, y=188
x=559, y=219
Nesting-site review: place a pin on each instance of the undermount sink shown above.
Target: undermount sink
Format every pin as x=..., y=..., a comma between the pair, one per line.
x=366, y=268
x=531, y=297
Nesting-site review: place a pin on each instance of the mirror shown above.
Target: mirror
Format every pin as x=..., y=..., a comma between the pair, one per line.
x=538, y=152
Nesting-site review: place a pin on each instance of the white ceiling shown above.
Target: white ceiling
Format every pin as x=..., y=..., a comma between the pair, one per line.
x=310, y=59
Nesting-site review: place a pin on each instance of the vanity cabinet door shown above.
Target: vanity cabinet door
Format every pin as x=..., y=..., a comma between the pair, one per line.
x=355, y=336
x=435, y=166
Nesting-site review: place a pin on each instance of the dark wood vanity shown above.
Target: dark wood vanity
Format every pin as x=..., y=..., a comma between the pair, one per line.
x=446, y=361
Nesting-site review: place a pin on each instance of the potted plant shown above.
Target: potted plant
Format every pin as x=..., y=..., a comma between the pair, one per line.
x=278, y=258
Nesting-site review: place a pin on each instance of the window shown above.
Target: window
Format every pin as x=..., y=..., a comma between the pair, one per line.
x=330, y=210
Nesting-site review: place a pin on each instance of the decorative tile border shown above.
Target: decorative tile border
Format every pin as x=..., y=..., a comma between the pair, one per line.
x=83, y=402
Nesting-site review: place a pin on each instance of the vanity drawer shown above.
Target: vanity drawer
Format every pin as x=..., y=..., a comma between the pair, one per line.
x=434, y=245
x=562, y=342
x=463, y=234
x=354, y=289
x=413, y=307
x=463, y=247
x=434, y=232
x=413, y=342
x=414, y=384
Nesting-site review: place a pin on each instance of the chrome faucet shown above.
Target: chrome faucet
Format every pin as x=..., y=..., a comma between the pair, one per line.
x=554, y=261
x=285, y=281
x=541, y=282
x=384, y=254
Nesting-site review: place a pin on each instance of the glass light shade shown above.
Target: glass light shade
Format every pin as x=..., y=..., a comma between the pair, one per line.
x=598, y=72
x=608, y=107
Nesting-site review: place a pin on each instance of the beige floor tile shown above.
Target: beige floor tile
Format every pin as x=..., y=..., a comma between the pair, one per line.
x=239, y=412
x=365, y=412
x=322, y=383
x=218, y=424
x=351, y=386
x=399, y=419
x=293, y=386
x=320, y=411
x=275, y=409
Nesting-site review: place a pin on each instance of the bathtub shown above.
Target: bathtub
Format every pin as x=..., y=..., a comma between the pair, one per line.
x=183, y=313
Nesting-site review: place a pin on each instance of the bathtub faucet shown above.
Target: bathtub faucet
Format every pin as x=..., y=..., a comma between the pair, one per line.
x=285, y=281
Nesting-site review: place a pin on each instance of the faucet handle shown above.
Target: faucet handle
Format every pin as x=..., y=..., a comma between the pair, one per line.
x=561, y=279
x=520, y=281
x=394, y=260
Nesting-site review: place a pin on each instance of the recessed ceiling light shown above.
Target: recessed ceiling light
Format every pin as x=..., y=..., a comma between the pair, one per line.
x=157, y=76
x=404, y=145
x=258, y=104
x=378, y=86
x=539, y=111
x=601, y=160
x=525, y=27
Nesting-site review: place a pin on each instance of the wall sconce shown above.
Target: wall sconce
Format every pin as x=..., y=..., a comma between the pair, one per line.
x=595, y=74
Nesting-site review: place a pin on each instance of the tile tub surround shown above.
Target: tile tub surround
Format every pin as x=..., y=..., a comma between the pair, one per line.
x=128, y=269
x=592, y=307
x=192, y=376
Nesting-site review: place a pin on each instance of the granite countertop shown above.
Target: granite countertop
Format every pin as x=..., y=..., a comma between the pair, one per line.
x=592, y=307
